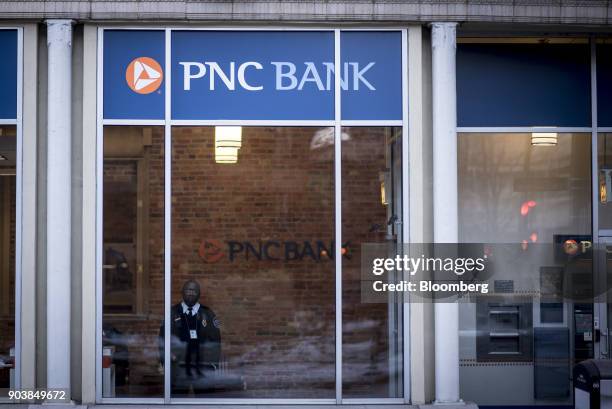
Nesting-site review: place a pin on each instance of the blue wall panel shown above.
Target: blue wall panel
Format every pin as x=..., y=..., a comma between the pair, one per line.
x=8, y=74
x=604, y=85
x=266, y=48
x=523, y=85
x=384, y=49
x=121, y=47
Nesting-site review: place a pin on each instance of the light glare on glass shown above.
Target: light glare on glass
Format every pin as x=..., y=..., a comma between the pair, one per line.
x=228, y=136
x=544, y=139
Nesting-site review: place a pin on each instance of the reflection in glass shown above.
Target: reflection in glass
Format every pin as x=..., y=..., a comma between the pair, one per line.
x=604, y=160
x=371, y=213
x=252, y=256
x=133, y=261
x=8, y=161
x=526, y=190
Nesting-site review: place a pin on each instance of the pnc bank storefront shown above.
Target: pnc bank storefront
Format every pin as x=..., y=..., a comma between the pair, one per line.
x=184, y=209
x=251, y=161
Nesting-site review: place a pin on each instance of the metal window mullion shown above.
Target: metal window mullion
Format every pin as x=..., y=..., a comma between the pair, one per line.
x=594, y=130
x=276, y=28
x=99, y=211
x=167, y=216
x=132, y=401
x=599, y=306
x=373, y=401
x=405, y=353
x=338, y=213
x=250, y=122
x=372, y=122
x=134, y=122
x=18, y=210
x=521, y=129
x=241, y=122
x=253, y=401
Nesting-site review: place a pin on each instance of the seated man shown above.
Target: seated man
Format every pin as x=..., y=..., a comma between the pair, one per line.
x=195, y=342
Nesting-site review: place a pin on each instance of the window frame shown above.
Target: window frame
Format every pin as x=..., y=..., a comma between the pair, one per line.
x=337, y=124
x=18, y=123
x=598, y=235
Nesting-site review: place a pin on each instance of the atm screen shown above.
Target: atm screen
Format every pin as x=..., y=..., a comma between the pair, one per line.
x=584, y=323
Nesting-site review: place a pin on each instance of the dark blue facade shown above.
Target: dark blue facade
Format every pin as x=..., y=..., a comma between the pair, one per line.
x=503, y=85
x=8, y=74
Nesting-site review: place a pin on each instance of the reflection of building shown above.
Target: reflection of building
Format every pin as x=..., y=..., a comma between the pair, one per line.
x=137, y=153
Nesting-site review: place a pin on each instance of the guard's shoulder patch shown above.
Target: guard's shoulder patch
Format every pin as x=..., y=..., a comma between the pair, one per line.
x=216, y=322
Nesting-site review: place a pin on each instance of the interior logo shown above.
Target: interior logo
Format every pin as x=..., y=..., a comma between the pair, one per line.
x=211, y=251
x=144, y=75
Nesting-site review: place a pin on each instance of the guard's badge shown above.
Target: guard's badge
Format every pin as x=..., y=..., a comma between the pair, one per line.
x=204, y=322
x=216, y=322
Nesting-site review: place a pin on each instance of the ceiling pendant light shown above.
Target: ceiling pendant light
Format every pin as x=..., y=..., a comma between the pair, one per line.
x=228, y=140
x=228, y=136
x=226, y=154
x=544, y=138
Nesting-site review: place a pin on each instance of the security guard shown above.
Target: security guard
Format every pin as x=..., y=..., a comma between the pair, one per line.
x=195, y=342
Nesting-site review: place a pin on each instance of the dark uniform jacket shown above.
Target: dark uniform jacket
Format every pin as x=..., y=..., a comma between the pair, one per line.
x=202, y=353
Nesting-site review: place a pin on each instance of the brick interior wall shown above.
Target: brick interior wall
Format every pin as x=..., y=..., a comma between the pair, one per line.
x=364, y=220
x=138, y=331
x=277, y=316
x=7, y=319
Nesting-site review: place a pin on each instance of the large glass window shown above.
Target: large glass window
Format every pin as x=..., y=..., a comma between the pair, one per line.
x=371, y=213
x=133, y=261
x=221, y=256
x=253, y=276
x=532, y=191
x=8, y=163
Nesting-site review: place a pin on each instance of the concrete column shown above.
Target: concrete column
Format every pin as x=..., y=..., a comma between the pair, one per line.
x=59, y=44
x=444, y=99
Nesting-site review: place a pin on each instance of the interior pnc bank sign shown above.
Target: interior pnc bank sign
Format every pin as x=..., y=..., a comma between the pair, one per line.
x=252, y=75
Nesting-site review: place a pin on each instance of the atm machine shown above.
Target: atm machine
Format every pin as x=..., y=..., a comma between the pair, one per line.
x=547, y=332
x=602, y=307
x=564, y=331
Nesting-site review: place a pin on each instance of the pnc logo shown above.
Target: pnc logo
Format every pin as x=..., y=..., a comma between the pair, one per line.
x=211, y=251
x=572, y=247
x=144, y=75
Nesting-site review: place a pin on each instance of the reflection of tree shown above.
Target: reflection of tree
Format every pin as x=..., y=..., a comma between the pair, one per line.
x=485, y=168
x=499, y=172
x=511, y=191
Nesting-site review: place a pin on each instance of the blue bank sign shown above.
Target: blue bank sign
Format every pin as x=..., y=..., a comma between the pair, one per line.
x=8, y=74
x=252, y=75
